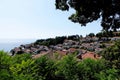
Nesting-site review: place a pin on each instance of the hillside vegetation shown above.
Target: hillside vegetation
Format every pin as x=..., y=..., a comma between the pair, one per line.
x=52, y=63
x=69, y=44
x=24, y=67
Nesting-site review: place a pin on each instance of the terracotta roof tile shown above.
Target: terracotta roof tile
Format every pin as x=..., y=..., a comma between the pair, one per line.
x=90, y=55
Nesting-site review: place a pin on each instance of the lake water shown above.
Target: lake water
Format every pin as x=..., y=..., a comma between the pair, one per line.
x=7, y=45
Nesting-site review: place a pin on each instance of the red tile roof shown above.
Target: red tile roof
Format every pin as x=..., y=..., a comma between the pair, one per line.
x=71, y=50
x=62, y=52
x=90, y=55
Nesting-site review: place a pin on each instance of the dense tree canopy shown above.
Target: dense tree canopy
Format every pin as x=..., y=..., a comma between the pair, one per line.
x=91, y=10
x=112, y=55
x=24, y=67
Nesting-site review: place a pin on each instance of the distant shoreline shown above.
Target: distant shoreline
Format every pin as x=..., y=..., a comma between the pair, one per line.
x=6, y=44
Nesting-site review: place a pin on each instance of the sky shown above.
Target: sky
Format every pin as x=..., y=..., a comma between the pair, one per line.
x=38, y=19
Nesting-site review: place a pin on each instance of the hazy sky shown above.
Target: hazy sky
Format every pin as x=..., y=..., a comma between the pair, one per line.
x=35, y=19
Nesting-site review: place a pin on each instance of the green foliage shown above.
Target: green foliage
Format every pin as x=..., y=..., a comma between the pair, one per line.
x=89, y=11
x=51, y=41
x=45, y=68
x=23, y=67
x=102, y=46
x=19, y=58
x=26, y=70
x=112, y=56
x=96, y=70
x=57, y=40
x=5, y=62
x=4, y=59
x=56, y=56
x=73, y=37
x=18, y=67
x=88, y=68
x=105, y=34
x=109, y=74
x=67, y=67
x=91, y=35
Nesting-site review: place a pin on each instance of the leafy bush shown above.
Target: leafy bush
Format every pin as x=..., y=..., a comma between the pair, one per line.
x=5, y=62
x=112, y=56
x=45, y=68
x=23, y=67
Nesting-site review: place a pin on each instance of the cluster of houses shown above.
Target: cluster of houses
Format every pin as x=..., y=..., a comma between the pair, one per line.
x=86, y=47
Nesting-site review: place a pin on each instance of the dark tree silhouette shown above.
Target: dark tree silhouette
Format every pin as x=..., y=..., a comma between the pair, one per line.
x=91, y=10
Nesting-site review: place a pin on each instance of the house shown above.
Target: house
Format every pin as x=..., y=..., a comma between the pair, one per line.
x=91, y=55
x=95, y=39
x=57, y=48
x=27, y=51
x=98, y=49
x=115, y=38
x=40, y=54
x=62, y=53
x=70, y=43
x=71, y=50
